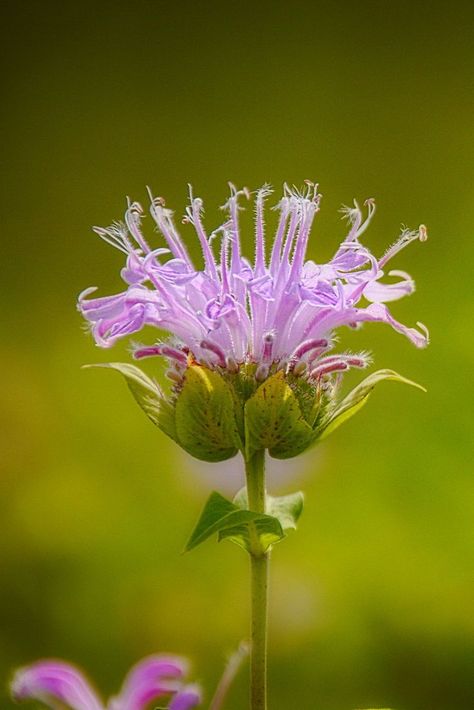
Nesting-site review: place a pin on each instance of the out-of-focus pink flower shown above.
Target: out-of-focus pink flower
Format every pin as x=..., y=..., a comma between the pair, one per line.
x=154, y=678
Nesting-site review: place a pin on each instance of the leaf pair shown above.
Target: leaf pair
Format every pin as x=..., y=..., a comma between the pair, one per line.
x=233, y=521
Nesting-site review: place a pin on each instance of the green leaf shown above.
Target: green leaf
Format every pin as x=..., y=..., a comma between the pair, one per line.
x=285, y=509
x=266, y=530
x=205, y=417
x=358, y=397
x=273, y=420
x=220, y=516
x=147, y=394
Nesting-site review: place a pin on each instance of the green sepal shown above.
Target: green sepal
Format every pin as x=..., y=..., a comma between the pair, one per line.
x=205, y=417
x=358, y=397
x=147, y=394
x=273, y=420
x=286, y=509
x=219, y=515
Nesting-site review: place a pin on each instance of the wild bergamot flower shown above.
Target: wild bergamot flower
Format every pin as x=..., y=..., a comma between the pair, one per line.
x=250, y=348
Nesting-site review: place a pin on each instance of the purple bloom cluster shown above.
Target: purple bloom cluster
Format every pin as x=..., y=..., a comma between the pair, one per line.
x=56, y=683
x=280, y=309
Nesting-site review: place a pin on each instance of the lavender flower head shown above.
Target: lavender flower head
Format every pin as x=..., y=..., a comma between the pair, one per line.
x=58, y=684
x=250, y=320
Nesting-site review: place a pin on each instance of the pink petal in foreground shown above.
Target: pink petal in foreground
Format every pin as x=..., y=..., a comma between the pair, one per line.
x=53, y=681
x=151, y=679
x=187, y=698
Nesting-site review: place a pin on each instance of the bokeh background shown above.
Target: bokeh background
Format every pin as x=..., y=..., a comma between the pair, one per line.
x=372, y=600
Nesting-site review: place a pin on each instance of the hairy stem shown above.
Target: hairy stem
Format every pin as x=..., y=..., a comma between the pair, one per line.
x=259, y=563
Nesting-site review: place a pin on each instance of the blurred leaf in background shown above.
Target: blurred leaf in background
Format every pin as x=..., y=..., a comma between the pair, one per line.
x=373, y=606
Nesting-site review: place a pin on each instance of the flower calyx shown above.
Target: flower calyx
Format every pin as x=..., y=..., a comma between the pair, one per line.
x=215, y=413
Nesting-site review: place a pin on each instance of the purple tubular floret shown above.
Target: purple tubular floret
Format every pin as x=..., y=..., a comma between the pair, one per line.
x=231, y=311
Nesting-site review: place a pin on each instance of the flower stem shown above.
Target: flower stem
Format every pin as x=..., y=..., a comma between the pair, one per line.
x=259, y=564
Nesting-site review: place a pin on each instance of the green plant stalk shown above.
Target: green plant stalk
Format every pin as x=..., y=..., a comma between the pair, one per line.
x=259, y=564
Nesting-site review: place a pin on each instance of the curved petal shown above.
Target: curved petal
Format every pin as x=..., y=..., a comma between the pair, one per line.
x=53, y=681
x=379, y=312
x=152, y=678
x=378, y=292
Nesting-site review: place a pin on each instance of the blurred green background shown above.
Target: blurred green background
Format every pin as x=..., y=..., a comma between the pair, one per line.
x=372, y=600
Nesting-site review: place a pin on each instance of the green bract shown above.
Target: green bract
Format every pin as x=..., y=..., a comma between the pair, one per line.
x=214, y=413
x=205, y=419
